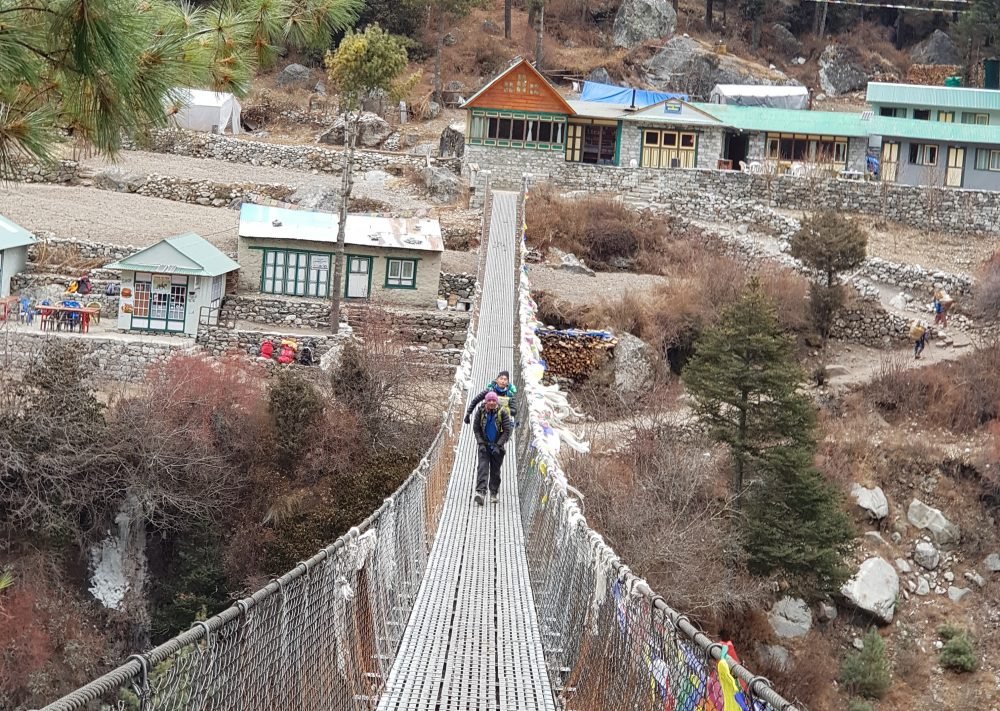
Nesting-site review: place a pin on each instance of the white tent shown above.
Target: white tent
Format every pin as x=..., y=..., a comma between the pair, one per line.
x=772, y=97
x=199, y=110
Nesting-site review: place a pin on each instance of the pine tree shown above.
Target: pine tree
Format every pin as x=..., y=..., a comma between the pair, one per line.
x=743, y=377
x=794, y=524
x=744, y=380
x=829, y=244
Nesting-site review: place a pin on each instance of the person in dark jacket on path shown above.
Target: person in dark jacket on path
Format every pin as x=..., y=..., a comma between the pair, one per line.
x=491, y=425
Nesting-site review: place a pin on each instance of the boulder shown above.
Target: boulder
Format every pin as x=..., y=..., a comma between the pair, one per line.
x=372, y=131
x=936, y=49
x=316, y=197
x=600, y=75
x=295, y=74
x=119, y=181
x=873, y=589
x=775, y=655
x=433, y=110
x=992, y=562
x=640, y=20
x=790, y=617
x=902, y=566
x=634, y=367
x=871, y=500
x=899, y=302
x=452, y=141
x=841, y=70
x=926, y=555
x=686, y=65
x=489, y=27
x=784, y=42
x=929, y=518
x=572, y=263
x=443, y=185
x=923, y=586
x=956, y=594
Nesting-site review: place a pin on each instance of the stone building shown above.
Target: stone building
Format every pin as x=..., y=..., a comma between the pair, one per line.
x=173, y=285
x=519, y=123
x=289, y=252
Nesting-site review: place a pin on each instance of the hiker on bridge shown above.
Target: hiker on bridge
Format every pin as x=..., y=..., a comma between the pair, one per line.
x=492, y=426
x=505, y=391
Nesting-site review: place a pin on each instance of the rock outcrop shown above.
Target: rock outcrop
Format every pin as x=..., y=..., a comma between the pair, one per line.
x=841, y=70
x=936, y=49
x=638, y=21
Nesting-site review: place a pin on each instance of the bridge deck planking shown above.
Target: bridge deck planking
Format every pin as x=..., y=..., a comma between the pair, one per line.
x=473, y=641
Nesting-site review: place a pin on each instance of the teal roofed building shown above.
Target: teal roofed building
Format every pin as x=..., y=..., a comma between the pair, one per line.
x=14, y=244
x=173, y=285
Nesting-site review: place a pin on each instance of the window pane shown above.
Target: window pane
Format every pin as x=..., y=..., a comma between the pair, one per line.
x=652, y=138
x=408, y=271
x=994, y=160
x=914, y=153
x=983, y=119
x=476, y=130
x=544, y=131
x=930, y=155
x=394, y=267
x=669, y=139
x=922, y=114
x=504, y=130
x=687, y=140
x=492, y=129
x=517, y=129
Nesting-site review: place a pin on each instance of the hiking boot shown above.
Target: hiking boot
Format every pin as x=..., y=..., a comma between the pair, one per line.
x=480, y=498
x=494, y=498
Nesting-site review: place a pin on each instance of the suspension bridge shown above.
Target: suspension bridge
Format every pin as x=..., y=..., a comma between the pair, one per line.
x=436, y=604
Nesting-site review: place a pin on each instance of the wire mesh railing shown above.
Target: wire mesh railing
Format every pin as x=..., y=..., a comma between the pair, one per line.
x=325, y=634
x=610, y=642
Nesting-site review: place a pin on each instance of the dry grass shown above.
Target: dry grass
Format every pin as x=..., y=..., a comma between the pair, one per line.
x=63, y=259
x=986, y=298
x=960, y=396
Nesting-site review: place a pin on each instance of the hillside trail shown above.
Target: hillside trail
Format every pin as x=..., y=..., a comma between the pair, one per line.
x=851, y=365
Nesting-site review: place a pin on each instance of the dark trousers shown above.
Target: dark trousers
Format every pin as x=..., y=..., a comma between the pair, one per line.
x=488, y=469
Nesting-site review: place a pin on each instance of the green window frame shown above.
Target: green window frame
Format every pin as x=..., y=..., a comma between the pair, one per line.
x=988, y=159
x=400, y=273
x=295, y=272
x=512, y=129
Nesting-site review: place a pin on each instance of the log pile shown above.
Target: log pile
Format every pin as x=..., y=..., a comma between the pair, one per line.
x=931, y=74
x=573, y=354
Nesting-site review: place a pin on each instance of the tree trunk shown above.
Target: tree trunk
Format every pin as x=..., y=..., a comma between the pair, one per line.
x=708, y=14
x=740, y=452
x=725, y=11
x=822, y=20
x=539, y=35
x=756, y=30
x=506, y=18
x=899, y=29
x=346, y=186
x=436, y=92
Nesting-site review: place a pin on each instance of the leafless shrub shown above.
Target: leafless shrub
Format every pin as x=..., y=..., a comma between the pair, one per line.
x=661, y=502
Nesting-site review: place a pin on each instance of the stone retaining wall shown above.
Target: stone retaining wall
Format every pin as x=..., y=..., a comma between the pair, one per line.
x=112, y=358
x=463, y=285
x=84, y=248
x=730, y=196
x=313, y=158
x=197, y=192
x=219, y=340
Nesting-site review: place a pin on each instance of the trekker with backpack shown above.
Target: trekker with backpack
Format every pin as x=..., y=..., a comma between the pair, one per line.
x=505, y=392
x=492, y=426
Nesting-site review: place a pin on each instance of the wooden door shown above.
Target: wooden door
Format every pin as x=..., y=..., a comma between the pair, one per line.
x=956, y=165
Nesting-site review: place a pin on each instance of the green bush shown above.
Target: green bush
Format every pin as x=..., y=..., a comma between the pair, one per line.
x=959, y=652
x=866, y=673
x=295, y=406
x=859, y=705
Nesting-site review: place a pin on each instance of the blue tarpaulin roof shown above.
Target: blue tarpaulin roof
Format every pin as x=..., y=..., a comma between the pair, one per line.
x=611, y=94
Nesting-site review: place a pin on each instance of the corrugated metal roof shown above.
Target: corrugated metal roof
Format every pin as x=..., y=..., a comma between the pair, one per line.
x=191, y=248
x=647, y=114
x=759, y=118
x=597, y=109
x=938, y=96
x=934, y=130
x=13, y=235
x=267, y=222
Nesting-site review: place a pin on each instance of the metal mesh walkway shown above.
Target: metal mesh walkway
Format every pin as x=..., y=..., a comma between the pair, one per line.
x=473, y=641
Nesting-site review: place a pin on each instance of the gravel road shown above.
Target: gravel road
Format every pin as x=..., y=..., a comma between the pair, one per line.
x=115, y=218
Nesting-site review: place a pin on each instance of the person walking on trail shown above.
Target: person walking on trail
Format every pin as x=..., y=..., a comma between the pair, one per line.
x=505, y=391
x=918, y=334
x=492, y=426
x=942, y=303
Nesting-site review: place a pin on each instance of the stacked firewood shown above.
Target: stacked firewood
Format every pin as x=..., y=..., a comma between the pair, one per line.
x=931, y=74
x=575, y=355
